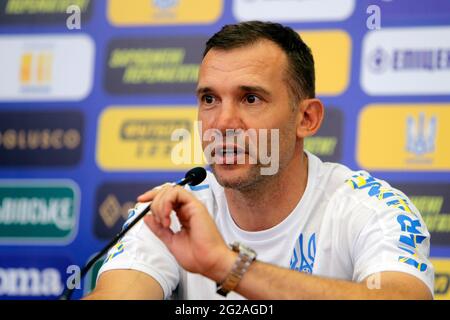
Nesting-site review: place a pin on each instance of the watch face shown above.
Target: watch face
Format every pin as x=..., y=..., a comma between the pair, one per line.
x=242, y=249
x=250, y=252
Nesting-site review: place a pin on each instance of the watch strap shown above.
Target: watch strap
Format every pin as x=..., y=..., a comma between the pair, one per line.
x=243, y=261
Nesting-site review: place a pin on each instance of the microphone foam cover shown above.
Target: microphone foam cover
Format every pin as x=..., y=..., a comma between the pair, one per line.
x=196, y=176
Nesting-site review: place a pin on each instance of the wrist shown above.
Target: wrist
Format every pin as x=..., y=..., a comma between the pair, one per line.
x=224, y=266
x=245, y=258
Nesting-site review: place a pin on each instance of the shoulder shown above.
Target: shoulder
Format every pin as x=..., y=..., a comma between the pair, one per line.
x=343, y=185
x=377, y=194
x=359, y=196
x=366, y=206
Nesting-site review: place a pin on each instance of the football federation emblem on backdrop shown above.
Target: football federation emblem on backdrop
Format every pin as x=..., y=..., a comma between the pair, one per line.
x=404, y=137
x=164, y=12
x=421, y=135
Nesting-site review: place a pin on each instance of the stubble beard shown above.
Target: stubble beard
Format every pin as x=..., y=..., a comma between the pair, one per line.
x=252, y=181
x=245, y=183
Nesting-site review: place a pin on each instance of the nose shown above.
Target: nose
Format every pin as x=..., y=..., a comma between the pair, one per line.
x=229, y=117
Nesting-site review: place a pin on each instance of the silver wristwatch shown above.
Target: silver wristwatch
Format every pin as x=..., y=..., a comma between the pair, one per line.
x=245, y=258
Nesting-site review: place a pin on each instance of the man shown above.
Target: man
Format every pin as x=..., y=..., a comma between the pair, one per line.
x=318, y=230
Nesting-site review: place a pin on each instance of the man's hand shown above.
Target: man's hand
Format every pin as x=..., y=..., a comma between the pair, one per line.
x=198, y=247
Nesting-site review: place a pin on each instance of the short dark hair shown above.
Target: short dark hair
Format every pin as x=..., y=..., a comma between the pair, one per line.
x=301, y=74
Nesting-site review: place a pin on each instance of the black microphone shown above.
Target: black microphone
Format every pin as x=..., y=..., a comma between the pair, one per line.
x=193, y=177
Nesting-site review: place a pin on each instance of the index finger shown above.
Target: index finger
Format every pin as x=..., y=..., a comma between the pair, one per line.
x=150, y=195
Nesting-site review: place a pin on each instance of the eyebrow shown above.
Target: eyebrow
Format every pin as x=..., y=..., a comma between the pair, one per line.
x=203, y=90
x=256, y=89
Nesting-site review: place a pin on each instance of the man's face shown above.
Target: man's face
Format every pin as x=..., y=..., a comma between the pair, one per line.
x=241, y=89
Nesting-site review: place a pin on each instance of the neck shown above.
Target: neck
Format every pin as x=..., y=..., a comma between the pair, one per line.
x=270, y=202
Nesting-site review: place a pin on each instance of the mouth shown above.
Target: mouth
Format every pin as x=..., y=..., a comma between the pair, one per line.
x=229, y=154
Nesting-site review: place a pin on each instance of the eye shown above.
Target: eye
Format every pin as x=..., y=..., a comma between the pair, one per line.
x=252, y=99
x=208, y=99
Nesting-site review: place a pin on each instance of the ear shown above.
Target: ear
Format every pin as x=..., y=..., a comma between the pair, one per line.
x=311, y=112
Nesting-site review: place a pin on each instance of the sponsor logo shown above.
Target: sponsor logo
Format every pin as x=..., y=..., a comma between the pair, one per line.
x=332, y=66
x=409, y=60
x=133, y=138
x=326, y=143
x=395, y=61
x=441, y=278
x=36, y=70
x=113, y=202
x=164, y=12
x=44, y=138
x=153, y=66
x=38, y=212
x=293, y=11
x=404, y=137
x=41, y=12
x=32, y=277
x=46, y=67
x=433, y=202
